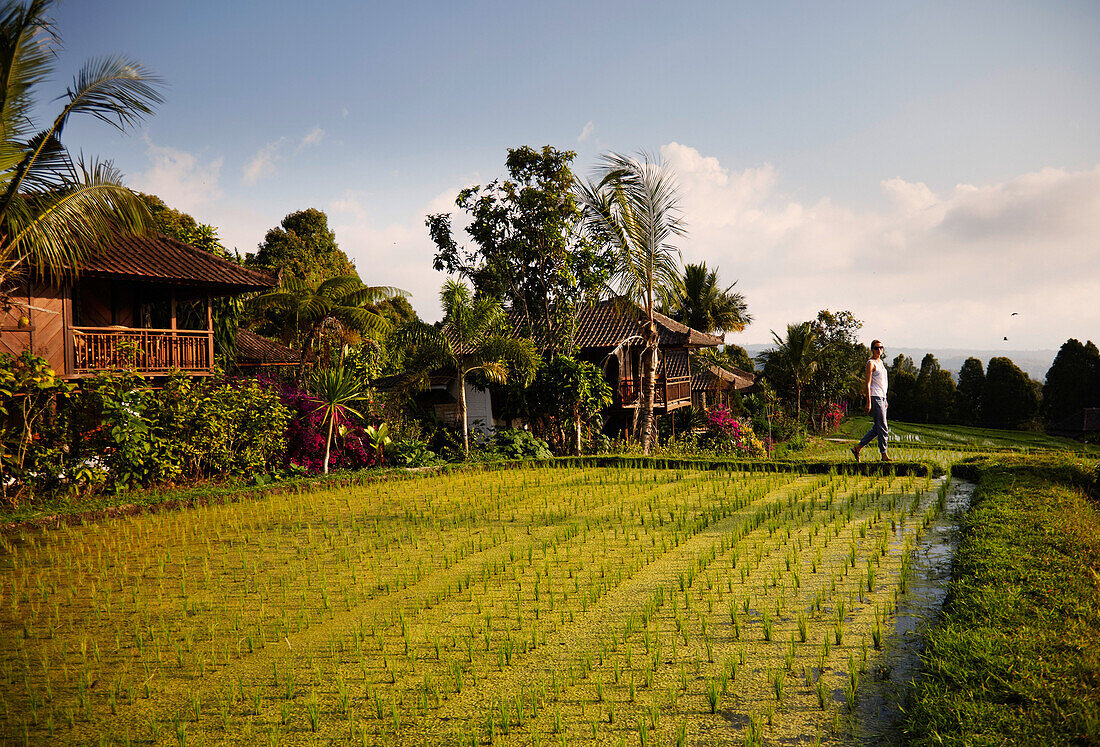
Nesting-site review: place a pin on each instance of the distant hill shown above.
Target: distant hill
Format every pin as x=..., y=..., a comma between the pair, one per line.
x=1035, y=363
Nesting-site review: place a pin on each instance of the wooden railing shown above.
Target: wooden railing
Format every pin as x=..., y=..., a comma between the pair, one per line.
x=142, y=350
x=667, y=391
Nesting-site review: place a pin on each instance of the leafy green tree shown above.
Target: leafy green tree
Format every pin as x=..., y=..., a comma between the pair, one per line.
x=968, y=395
x=569, y=393
x=302, y=310
x=841, y=358
x=794, y=359
x=1009, y=400
x=304, y=248
x=472, y=340
x=1073, y=380
x=183, y=227
x=901, y=363
x=338, y=389
x=54, y=212
x=935, y=392
x=634, y=210
x=704, y=305
x=526, y=248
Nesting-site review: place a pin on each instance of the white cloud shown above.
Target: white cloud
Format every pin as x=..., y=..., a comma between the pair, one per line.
x=262, y=164
x=928, y=269
x=312, y=138
x=179, y=178
x=586, y=131
x=397, y=253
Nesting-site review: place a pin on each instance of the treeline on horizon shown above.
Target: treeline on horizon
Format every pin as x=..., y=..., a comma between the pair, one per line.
x=999, y=396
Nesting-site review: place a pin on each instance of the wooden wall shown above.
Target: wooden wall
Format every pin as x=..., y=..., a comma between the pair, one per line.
x=48, y=310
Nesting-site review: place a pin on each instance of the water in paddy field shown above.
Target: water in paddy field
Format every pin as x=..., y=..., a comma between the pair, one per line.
x=884, y=688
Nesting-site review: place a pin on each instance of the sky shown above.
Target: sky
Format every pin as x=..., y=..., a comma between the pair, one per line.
x=933, y=167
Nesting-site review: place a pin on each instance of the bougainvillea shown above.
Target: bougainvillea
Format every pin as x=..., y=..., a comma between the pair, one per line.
x=728, y=434
x=832, y=414
x=305, y=437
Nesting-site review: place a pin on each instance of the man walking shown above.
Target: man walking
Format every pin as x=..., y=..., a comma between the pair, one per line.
x=877, y=384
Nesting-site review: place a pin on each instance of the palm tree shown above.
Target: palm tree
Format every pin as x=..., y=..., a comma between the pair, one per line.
x=306, y=309
x=54, y=212
x=797, y=355
x=704, y=306
x=634, y=210
x=337, y=388
x=474, y=339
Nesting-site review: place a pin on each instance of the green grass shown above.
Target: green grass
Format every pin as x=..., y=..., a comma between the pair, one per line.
x=1015, y=658
x=916, y=435
x=550, y=604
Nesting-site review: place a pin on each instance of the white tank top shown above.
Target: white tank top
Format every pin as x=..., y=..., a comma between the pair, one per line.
x=879, y=383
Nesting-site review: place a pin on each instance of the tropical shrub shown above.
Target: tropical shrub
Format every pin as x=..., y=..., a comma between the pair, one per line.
x=190, y=428
x=514, y=443
x=728, y=435
x=29, y=451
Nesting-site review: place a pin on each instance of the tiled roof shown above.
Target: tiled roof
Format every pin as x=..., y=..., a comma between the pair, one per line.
x=253, y=350
x=160, y=258
x=710, y=377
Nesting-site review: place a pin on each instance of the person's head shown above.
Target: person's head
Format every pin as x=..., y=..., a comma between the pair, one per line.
x=877, y=350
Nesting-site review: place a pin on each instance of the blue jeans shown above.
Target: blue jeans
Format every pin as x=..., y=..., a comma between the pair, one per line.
x=879, y=428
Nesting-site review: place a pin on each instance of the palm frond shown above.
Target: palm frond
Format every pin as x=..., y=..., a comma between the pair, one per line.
x=28, y=47
x=114, y=90
x=54, y=231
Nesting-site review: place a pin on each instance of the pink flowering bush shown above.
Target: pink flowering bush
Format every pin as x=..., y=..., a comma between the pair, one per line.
x=832, y=414
x=305, y=436
x=727, y=434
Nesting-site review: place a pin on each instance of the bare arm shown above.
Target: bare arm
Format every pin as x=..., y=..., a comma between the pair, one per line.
x=867, y=383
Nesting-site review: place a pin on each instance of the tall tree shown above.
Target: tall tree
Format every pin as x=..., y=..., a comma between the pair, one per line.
x=968, y=396
x=473, y=339
x=795, y=356
x=527, y=250
x=704, y=305
x=935, y=391
x=302, y=247
x=634, y=209
x=1073, y=380
x=54, y=211
x=1009, y=400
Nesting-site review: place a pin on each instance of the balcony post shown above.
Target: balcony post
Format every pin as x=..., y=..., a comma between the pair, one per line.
x=209, y=332
x=172, y=352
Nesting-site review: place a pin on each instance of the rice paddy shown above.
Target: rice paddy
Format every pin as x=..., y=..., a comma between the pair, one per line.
x=526, y=606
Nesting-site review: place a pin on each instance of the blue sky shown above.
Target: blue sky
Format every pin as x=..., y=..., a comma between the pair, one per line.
x=932, y=167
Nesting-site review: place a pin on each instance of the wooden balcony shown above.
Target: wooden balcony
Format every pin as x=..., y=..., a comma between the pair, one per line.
x=669, y=393
x=147, y=351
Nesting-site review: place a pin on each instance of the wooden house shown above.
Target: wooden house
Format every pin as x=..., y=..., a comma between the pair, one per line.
x=609, y=336
x=143, y=303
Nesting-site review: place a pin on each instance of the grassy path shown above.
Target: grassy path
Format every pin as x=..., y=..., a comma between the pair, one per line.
x=1016, y=656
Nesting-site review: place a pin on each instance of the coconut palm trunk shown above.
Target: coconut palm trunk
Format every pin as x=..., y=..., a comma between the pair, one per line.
x=462, y=411
x=649, y=391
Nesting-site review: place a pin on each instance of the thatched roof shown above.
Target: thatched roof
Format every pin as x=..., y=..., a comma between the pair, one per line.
x=713, y=378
